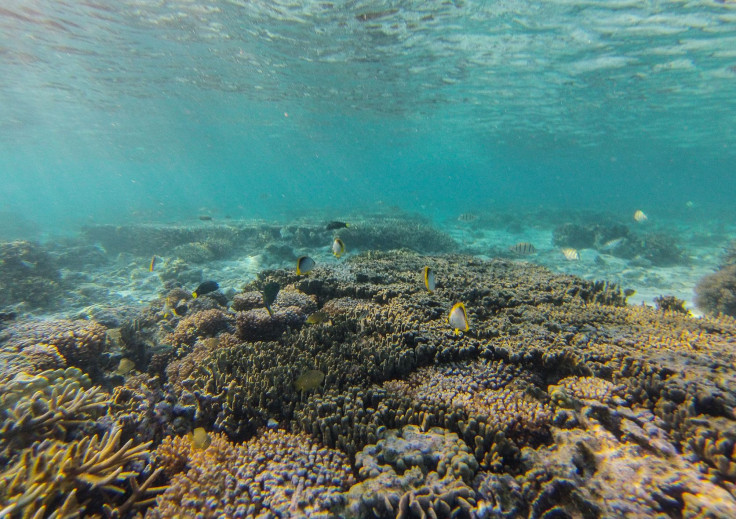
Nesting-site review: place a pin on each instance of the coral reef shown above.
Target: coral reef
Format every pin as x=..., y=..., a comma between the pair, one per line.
x=28, y=274
x=276, y=474
x=716, y=293
x=48, y=405
x=202, y=324
x=78, y=342
x=64, y=477
x=410, y=473
x=670, y=304
x=557, y=390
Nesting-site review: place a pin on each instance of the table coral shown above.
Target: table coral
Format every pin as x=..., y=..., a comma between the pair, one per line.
x=274, y=474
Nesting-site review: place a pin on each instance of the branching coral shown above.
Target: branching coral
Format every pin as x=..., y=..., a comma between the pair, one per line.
x=54, y=473
x=46, y=406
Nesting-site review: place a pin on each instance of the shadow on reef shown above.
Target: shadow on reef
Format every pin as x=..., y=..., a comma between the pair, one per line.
x=561, y=401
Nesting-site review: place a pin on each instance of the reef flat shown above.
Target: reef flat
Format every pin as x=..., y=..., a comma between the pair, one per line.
x=560, y=401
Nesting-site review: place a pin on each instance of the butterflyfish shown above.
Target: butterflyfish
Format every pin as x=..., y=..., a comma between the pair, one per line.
x=304, y=265
x=270, y=291
x=570, y=254
x=338, y=247
x=429, y=281
x=458, y=319
x=309, y=380
x=205, y=287
x=640, y=217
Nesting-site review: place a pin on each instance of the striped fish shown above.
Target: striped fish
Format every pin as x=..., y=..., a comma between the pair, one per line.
x=570, y=254
x=523, y=248
x=467, y=217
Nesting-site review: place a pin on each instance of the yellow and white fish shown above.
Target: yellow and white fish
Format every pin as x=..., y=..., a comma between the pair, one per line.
x=570, y=254
x=458, y=319
x=338, y=247
x=639, y=216
x=429, y=280
x=304, y=265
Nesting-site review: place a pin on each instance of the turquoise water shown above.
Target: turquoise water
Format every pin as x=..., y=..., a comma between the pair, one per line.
x=158, y=111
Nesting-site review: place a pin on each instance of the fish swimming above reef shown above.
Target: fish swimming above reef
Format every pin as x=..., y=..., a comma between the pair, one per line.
x=200, y=439
x=205, y=287
x=523, y=248
x=338, y=247
x=467, y=217
x=429, y=279
x=570, y=254
x=336, y=225
x=318, y=317
x=612, y=244
x=309, y=380
x=304, y=265
x=640, y=217
x=270, y=291
x=154, y=262
x=458, y=319
x=205, y=217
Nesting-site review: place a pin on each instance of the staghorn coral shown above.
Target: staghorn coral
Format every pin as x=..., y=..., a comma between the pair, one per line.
x=716, y=293
x=55, y=474
x=47, y=405
x=276, y=473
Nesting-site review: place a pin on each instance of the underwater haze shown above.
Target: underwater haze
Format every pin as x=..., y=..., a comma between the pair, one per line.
x=148, y=111
x=390, y=259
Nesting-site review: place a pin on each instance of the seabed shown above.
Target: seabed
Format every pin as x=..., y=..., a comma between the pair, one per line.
x=122, y=395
